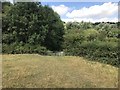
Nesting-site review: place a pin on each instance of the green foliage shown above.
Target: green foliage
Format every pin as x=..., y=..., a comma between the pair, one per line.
x=81, y=26
x=91, y=34
x=100, y=45
x=19, y=48
x=33, y=25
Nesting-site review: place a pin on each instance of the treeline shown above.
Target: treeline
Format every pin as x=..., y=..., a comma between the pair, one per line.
x=94, y=41
x=33, y=28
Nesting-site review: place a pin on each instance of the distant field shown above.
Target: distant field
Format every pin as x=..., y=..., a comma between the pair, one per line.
x=32, y=70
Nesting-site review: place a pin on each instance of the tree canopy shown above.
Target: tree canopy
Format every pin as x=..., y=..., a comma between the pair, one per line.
x=29, y=22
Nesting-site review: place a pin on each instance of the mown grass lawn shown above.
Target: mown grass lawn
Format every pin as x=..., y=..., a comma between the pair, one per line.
x=36, y=71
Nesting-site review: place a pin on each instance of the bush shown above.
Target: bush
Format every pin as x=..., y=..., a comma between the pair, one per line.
x=21, y=49
x=105, y=51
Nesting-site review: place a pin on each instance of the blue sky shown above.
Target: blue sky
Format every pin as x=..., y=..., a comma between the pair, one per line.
x=85, y=11
x=72, y=5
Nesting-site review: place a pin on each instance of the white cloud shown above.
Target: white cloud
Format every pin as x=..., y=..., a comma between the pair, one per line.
x=108, y=20
x=96, y=11
x=61, y=9
x=90, y=20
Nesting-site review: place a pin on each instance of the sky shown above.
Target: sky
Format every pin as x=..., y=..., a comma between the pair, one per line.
x=78, y=10
x=85, y=11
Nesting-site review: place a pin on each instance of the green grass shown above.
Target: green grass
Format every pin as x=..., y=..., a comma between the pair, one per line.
x=35, y=71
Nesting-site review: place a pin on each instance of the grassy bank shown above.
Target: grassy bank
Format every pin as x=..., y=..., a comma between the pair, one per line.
x=32, y=70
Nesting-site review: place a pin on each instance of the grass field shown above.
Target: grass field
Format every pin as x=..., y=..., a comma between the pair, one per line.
x=35, y=71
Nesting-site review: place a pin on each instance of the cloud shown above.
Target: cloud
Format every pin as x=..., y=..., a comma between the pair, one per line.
x=96, y=11
x=90, y=19
x=61, y=9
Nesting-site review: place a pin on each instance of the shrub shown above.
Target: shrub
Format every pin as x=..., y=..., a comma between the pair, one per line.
x=105, y=51
x=20, y=49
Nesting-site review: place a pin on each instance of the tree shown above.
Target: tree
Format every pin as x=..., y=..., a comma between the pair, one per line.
x=54, y=36
x=30, y=22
